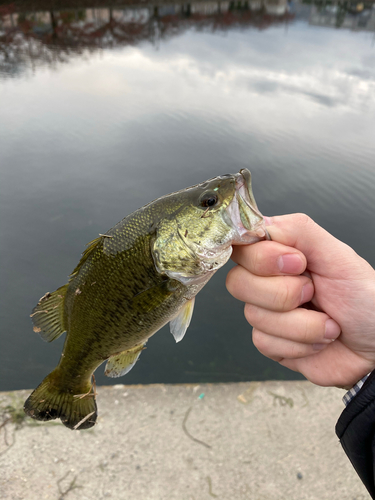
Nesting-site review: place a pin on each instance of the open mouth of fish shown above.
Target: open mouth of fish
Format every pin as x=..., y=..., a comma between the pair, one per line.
x=243, y=215
x=244, y=212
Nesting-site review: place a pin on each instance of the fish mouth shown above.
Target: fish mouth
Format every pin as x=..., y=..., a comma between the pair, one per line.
x=244, y=212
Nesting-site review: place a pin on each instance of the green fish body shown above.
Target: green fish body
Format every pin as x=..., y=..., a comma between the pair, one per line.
x=131, y=281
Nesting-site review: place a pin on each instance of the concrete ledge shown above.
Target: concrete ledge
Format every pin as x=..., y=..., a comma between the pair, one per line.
x=253, y=441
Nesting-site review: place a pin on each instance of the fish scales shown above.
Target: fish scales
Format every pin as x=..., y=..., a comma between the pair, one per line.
x=131, y=281
x=112, y=310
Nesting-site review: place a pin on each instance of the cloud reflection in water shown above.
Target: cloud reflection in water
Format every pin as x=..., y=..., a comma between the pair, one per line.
x=94, y=131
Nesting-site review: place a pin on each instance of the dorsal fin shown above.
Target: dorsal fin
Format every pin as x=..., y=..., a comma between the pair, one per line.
x=91, y=247
x=48, y=315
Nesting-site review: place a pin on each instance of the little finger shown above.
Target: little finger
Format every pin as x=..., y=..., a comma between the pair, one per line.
x=278, y=349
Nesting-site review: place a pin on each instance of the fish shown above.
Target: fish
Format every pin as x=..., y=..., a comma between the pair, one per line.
x=131, y=281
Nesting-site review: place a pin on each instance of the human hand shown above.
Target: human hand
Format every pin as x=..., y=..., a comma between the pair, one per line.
x=331, y=338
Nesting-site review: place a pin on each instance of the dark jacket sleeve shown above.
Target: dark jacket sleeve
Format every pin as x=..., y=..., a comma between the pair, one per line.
x=356, y=431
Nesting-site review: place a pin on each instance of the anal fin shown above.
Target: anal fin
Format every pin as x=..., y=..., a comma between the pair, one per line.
x=48, y=315
x=120, y=364
x=181, y=322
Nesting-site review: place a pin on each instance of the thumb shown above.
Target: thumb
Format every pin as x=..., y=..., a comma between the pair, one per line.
x=325, y=254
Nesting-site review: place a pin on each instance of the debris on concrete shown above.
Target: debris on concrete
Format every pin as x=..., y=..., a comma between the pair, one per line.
x=243, y=441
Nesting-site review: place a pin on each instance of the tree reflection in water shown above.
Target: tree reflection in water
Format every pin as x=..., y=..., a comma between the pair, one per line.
x=31, y=35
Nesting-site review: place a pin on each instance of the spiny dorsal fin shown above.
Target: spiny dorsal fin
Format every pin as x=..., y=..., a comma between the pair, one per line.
x=91, y=247
x=48, y=315
x=181, y=322
x=122, y=363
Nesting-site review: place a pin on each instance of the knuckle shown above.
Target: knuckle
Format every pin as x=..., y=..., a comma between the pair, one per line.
x=305, y=333
x=247, y=313
x=231, y=280
x=311, y=327
x=250, y=314
x=263, y=343
x=259, y=340
x=256, y=258
x=283, y=298
x=296, y=351
x=288, y=295
x=303, y=219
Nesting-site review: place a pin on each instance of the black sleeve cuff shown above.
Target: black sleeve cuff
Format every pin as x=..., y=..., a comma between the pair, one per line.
x=356, y=431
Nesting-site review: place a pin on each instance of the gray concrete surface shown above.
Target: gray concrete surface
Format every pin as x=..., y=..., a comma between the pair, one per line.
x=253, y=441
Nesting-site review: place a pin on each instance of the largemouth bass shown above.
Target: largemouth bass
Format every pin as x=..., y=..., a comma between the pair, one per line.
x=131, y=281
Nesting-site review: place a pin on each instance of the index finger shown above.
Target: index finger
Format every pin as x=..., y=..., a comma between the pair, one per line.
x=270, y=258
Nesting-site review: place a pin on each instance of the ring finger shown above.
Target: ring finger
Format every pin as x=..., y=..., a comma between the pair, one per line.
x=278, y=293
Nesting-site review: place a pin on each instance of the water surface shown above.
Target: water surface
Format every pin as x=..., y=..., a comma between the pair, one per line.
x=103, y=110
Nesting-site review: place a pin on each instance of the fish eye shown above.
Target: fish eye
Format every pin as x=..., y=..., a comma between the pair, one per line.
x=209, y=200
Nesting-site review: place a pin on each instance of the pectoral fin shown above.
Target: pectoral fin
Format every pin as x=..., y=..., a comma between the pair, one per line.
x=181, y=322
x=121, y=364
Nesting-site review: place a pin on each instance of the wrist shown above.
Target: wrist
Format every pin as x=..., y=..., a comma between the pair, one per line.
x=353, y=391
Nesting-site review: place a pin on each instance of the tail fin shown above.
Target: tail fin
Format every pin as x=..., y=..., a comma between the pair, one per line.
x=48, y=402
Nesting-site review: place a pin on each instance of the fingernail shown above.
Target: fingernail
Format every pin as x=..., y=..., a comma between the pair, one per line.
x=290, y=263
x=332, y=330
x=307, y=293
x=319, y=347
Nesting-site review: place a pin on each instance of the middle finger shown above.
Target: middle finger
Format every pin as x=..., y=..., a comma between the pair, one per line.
x=276, y=293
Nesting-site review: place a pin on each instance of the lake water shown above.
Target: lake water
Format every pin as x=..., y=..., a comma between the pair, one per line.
x=103, y=110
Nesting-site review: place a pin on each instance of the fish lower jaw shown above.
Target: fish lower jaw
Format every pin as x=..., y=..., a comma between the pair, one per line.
x=244, y=236
x=254, y=230
x=248, y=239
